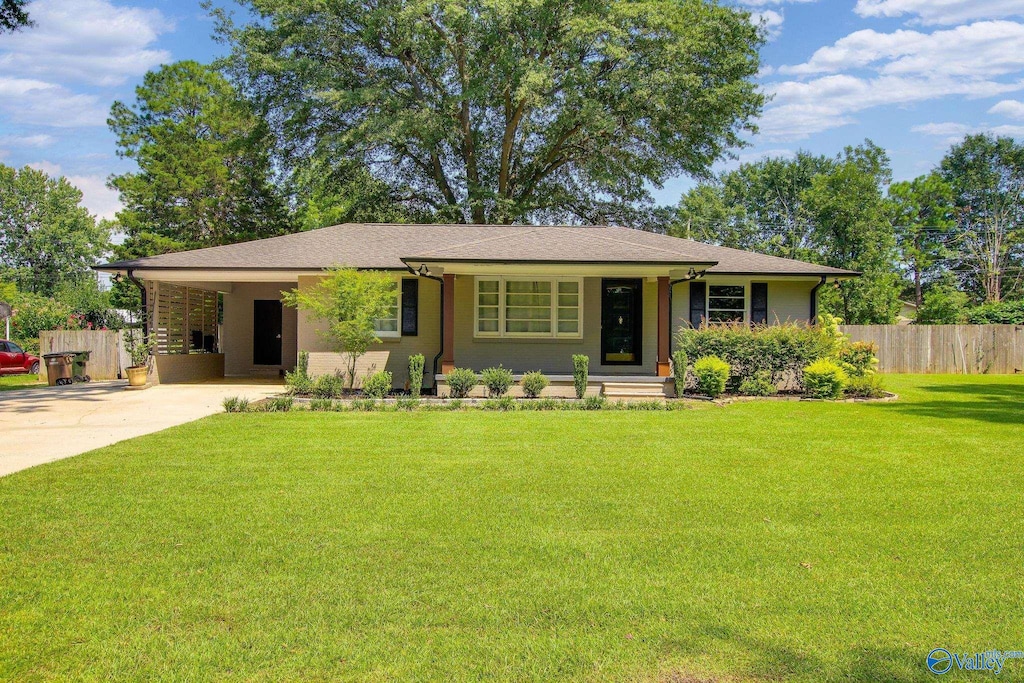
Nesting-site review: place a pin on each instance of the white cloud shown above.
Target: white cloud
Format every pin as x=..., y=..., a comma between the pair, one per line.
x=96, y=196
x=802, y=108
x=47, y=167
x=28, y=140
x=941, y=11
x=36, y=102
x=983, y=49
x=1011, y=109
x=899, y=68
x=85, y=41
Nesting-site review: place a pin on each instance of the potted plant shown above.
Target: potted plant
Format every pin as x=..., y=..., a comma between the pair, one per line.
x=139, y=347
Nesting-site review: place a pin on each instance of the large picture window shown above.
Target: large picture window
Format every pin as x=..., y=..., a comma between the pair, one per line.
x=529, y=307
x=727, y=303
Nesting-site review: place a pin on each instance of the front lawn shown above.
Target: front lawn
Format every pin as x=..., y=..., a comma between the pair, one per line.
x=765, y=540
x=11, y=382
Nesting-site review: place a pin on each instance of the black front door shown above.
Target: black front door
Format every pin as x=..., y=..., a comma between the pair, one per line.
x=621, y=322
x=266, y=332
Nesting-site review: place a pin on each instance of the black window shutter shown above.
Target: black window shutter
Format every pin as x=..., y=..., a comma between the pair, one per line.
x=410, y=307
x=698, y=303
x=759, y=303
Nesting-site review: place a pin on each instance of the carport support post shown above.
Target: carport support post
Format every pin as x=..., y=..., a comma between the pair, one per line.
x=664, y=328
x=448, y=316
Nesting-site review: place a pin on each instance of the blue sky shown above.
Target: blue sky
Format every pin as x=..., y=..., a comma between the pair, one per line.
x=913, y=75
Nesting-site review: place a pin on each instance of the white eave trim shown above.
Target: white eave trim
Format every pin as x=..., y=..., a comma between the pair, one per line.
x=219, y=275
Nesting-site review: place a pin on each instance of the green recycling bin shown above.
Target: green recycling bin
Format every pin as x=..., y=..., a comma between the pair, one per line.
x=79, y=364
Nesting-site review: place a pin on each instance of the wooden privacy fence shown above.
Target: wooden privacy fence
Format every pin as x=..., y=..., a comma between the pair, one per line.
x=960, y=349
x=108, y=354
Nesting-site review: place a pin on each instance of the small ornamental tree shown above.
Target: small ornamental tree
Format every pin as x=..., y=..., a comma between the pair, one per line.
x=350, y=302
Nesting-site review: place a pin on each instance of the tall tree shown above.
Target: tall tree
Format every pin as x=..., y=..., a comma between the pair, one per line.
x=499, y=111
x=852, y=230
x=922, y=214
x=13, y=15
x=756, y=207
x=328, y=193
x=987, y=177
x=204, y=163
x=47, y=239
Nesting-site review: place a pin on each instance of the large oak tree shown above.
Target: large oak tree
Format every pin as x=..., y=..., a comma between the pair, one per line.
x=505, y=110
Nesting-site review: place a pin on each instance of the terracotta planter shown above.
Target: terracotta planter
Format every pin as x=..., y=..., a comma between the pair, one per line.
x=137, y=376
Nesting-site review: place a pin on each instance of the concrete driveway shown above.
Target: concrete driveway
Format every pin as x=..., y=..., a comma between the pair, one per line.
x=42, y=424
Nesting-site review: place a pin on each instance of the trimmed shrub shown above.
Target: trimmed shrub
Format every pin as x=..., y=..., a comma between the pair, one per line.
x=758, y=385
x=858, y=359
x=279, y=404
x=329, y=386
x=416, y=374
x=825, y=379
x=865, y=386
x=302, y=367
x=378, y=384
x=460, y=382
x=679, y=363
x=235, y=404
x=298, y=383
x=533, y=383
x=407, y=403
x=497, y=381
x=781, y=350
x=594, y=403
x=545, y=403
x=580, y=374
x=712, y=373
x=321, y=405
x=504, y=404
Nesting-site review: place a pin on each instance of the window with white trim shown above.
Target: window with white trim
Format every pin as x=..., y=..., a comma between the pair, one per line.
x=389, y=325
x=528, y=307
x=727, y=303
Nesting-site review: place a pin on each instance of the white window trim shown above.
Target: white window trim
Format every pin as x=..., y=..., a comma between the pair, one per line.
x=501, y=333
x=746, y=300
x=398, y=326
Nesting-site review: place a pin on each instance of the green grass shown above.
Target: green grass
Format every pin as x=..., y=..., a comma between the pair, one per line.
x=781, y=541
x=12, y=382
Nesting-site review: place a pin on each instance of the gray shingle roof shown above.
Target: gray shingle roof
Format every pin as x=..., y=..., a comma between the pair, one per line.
x=388, y=246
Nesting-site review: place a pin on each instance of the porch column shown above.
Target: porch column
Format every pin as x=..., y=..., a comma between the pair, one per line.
x=448, y=330
x=664, y=328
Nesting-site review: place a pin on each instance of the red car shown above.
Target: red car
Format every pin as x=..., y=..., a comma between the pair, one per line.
x=14, y=360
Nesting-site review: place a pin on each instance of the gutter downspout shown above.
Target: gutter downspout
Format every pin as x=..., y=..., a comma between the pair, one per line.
x=145, y=307
x=440, y=353
x=671, y=290
x=814, y=299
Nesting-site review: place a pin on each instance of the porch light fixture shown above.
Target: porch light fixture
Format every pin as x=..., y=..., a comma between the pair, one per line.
x=423, y=270
x=695, y=274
